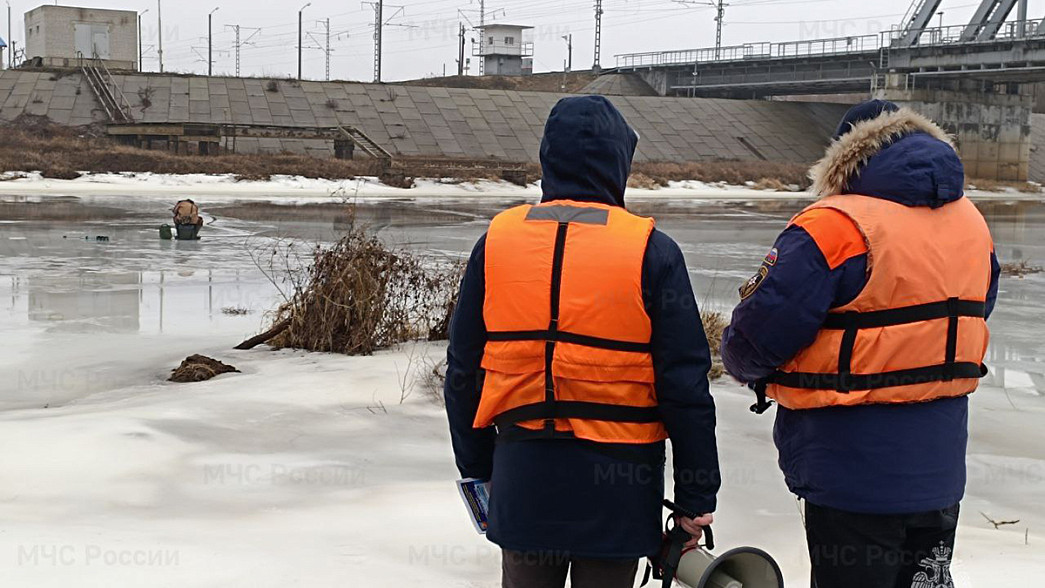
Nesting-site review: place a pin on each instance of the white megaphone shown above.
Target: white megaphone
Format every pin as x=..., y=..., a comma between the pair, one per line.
x=742, y=567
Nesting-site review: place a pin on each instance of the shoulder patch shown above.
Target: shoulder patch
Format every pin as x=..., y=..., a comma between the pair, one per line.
x=771, y=257
x=835, y=234
x=754, y=282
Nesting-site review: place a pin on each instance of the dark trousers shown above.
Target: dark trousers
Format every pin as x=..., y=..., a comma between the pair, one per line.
x=852, y=550
x=529, y=569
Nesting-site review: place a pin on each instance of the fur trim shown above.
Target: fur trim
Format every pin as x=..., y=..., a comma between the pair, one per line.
x=846, y=155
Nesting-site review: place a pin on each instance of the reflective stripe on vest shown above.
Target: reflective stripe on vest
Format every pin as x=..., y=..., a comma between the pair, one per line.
x=567, y=350
x=917, y=331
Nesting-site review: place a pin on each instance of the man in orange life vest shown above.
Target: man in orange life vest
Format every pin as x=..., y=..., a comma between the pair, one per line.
x=867, y=324
x=575, y=351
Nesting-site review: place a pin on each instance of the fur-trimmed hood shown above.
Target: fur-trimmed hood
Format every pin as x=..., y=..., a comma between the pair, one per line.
x=901, y=156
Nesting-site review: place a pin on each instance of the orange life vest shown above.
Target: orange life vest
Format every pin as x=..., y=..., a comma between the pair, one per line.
x=567, y=350
x=917, y=330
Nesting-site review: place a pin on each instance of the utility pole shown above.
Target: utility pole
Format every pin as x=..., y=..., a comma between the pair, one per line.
x=482, y=37
x=159, y=24
x=10, y=41
x=240, y=44
x=327, y=24
x=720, y=14
x=720, y=17
x=460, y=49
x=379, y=21
x=323, y=46
x=300, y=39
x=569, y=51
x=141, y=50
x=596, y=67
x=210, y=42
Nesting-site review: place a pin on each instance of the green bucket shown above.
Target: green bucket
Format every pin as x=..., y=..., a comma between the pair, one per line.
x=165, y=233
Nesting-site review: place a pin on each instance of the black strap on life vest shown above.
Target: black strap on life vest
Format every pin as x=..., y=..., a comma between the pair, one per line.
x=551, y=409
x=846, y=381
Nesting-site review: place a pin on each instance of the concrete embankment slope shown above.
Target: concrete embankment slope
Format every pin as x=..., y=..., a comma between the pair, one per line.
x=427, y=121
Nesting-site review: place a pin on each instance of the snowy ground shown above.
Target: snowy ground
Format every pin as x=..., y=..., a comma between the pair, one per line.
x=318, y=470
x=310, y=189
x=308, y=470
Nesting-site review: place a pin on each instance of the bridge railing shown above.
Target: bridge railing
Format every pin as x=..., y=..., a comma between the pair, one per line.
x=956, y=34
x=753, y=51
x=948, y=35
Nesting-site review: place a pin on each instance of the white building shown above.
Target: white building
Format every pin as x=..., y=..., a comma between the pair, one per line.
x=505, y=51
x=57, y=36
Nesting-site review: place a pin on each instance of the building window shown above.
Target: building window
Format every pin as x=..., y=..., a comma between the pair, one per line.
x=491, y=41
x=509, y=40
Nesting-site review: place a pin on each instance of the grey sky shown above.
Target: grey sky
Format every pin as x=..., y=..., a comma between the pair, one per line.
x=429, y=39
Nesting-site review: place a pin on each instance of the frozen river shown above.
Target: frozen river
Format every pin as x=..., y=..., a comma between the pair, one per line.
x=309, y=469
x=81, y=315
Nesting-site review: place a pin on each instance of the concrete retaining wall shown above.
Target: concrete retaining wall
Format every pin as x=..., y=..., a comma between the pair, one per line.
x=435, y=122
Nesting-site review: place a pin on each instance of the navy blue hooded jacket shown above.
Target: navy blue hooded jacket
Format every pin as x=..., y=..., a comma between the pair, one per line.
x=882, y=459
x=566, y=495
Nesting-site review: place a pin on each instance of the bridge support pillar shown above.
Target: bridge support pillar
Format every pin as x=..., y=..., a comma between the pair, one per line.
x=991, y=122
x=656, y=78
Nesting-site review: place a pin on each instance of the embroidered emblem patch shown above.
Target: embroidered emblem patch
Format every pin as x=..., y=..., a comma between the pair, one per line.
x=937, y=570
x=752, y=284
x=771, y=257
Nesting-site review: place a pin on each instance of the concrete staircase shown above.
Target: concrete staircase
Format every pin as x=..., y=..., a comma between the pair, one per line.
x=368, y=145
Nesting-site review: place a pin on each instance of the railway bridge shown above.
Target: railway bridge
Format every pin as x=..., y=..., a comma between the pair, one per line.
x=976, y=79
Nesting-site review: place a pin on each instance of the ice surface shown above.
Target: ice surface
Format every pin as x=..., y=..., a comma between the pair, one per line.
x=312, y=469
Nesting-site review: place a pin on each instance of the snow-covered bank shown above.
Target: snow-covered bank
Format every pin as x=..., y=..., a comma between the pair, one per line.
x=307, y=470
x=227, y=187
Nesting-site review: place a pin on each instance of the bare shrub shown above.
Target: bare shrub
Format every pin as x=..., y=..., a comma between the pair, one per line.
x=771, y=184
x=988, y=185
x=728, y=171
x=642, y=181
x=714, y=325
x=331, y=104
x=272, y=86
x=145, y=94
x=1019, y=268
x=396, y=179
x=359, y=295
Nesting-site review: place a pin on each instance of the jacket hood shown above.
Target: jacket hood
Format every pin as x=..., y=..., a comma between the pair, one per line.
x=586, y=152
x=899, y=155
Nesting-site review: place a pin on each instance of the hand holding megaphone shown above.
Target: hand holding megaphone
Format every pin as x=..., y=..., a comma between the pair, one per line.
x=683, y=560
x=695, y=525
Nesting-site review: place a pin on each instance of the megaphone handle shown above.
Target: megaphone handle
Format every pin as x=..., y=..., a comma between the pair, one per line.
x=709, y=538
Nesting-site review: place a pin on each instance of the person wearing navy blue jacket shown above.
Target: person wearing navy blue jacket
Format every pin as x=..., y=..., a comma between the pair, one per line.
x=574, y=506
x=881, y=482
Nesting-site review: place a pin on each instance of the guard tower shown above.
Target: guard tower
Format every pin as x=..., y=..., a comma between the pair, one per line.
x=505, y=51
x=58, y=36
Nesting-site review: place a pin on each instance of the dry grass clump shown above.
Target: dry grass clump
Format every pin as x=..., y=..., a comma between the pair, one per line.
x=642, y=181
x=1019, y=268
x=714, y=325
x=987, y=185
x=728, y=171
x=359, y=296
x=771, y=184
x=197, y=368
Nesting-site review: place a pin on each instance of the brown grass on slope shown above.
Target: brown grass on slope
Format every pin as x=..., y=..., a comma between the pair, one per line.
x=34, y=143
